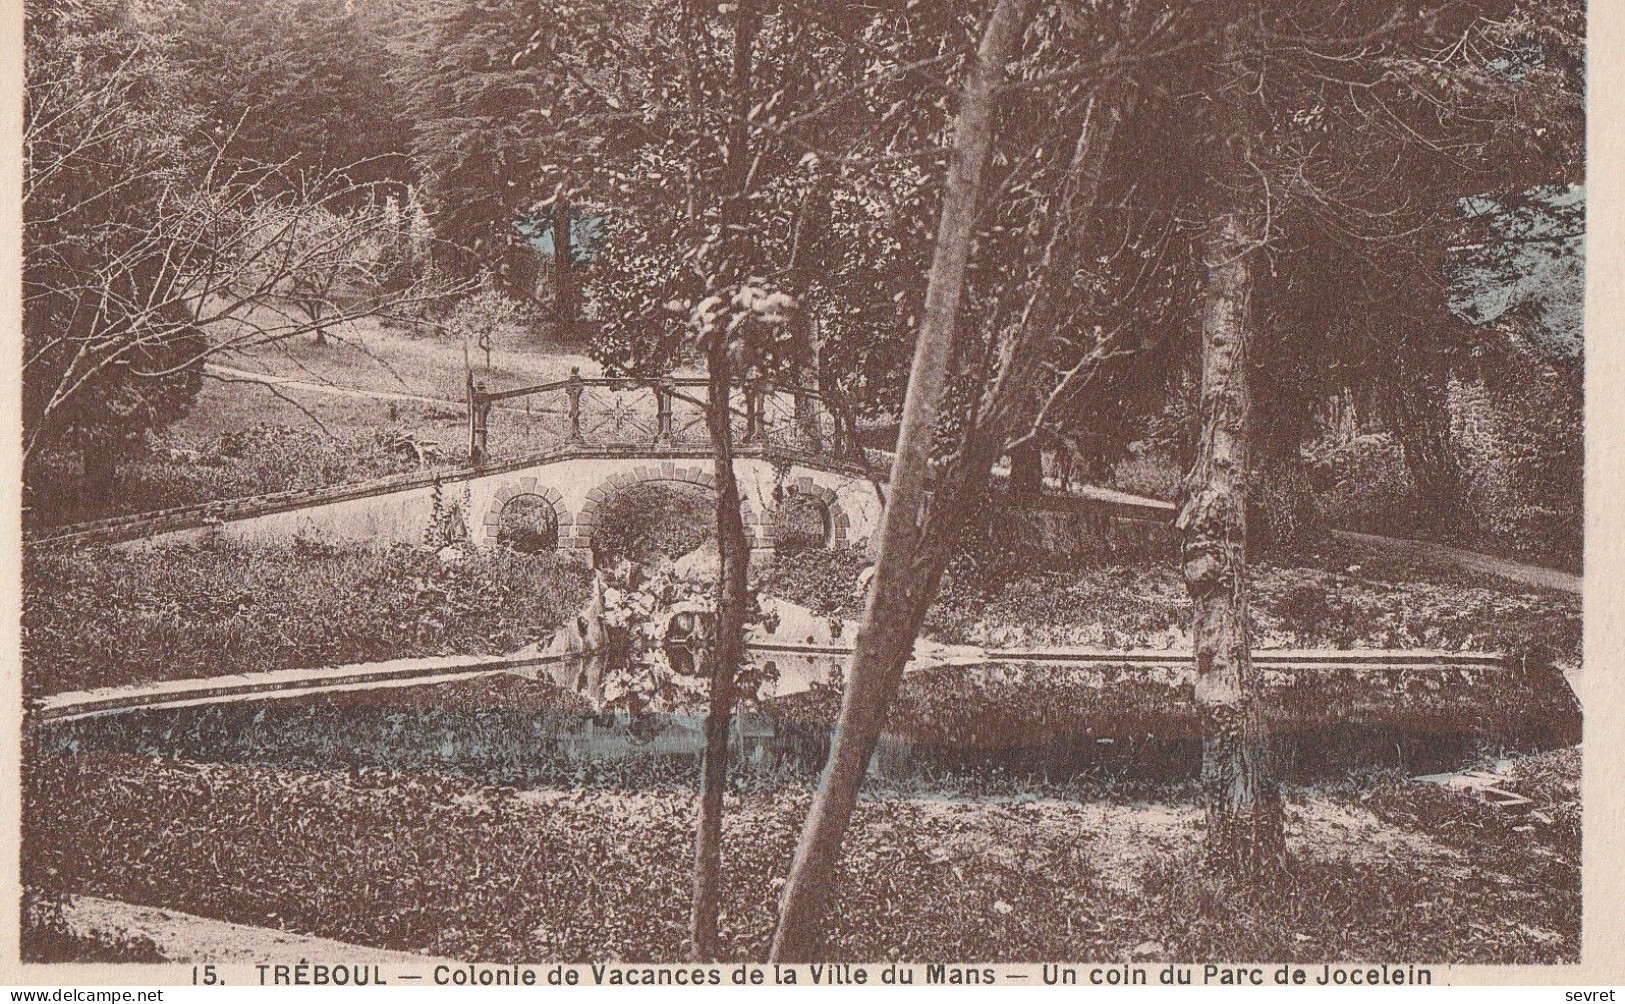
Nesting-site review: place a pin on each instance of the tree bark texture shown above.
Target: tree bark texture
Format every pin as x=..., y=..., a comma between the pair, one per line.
x=727, y=652
x=1026, y=469
x=906, y=573
x=733, y=549
x=1244, y=821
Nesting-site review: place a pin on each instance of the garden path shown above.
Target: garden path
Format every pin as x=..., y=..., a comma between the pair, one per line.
x=1471, y=561
x=185, y=937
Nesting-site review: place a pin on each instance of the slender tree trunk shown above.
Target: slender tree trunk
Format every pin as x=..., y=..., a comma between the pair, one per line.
x=1026, y=469
x=1244, y=821
x=564, y=269
x=733, y=549
x=809, y=249
x=99, y=458
x=904, y=579
x=727, y=653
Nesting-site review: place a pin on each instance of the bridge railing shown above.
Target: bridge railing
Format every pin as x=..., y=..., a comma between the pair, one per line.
x=669, y=413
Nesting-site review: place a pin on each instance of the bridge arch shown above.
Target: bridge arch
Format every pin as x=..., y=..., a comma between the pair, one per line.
x=523, y=489
x=758, y=529
x=837, y=523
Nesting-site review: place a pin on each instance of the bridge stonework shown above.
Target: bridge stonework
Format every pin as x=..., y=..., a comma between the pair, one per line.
x=838, y=524
x=575, y=484
x=581, y=441
x=507, y=491
x=758, y=529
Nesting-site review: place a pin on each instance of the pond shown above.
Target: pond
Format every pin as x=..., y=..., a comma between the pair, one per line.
x=952, y=728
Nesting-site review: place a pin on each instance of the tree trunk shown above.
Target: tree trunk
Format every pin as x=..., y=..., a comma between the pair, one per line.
x=1026, y=469
x=564, y=269
x=100, y=463
x=733, y=549
x=906, y=573
x=809, y=251
x=1244, y=821
x=727, y=653
x=1284, y=517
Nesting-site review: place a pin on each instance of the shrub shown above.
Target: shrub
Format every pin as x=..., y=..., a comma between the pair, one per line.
x=824, y=581
x=1523, y=440
x=167, y=472
x=647, y=520
x=799, y=526
x=1147, y=472
x=529, y=525
x=99, y=617
x=1363, y=484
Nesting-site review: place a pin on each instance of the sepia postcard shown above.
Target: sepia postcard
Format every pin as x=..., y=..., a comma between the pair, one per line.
x=684, y=493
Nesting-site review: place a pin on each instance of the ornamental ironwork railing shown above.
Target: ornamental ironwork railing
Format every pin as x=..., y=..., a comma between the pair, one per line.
x=663, y=414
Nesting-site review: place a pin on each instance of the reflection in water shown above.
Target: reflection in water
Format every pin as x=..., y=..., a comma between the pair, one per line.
x=508, y=730
x=791, y=673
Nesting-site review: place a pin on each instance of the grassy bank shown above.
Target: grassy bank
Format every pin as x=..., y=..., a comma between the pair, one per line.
x=175, y=469
x=99, y=616
x=370, y=355
x=1352, y=599
x=1403, y=872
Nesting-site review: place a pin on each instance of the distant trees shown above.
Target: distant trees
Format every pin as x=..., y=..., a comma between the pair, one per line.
x=146, y=247
x=481, y=117
x=322, y=254
x=306, y=86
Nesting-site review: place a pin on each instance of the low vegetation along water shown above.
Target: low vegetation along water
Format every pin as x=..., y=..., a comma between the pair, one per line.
x=1121, y=729
x=1019, y=812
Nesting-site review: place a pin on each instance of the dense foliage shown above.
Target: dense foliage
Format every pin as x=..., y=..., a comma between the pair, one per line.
x=647, y=522
x=304, y=84
x=1355, y=600
x=101, y=617
x=174, y=470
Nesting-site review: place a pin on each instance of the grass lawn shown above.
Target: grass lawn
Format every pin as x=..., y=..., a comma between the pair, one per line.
x=372, y=358
x=245, y=438
x=370, y=355
x=1398, y=872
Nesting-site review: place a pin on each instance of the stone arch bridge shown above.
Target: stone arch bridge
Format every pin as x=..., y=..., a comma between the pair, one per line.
x=558, y=453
